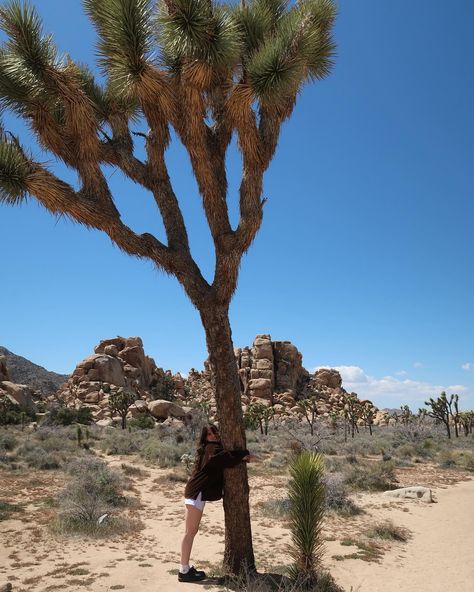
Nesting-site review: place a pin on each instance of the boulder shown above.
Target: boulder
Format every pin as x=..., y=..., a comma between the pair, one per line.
x=329, y=377
x=288, y=366
x=163, y=409
x=118, y=342
x=111, y=350
x=19, y=393
x=413, y=492
x=110, y=370
x=103, y=423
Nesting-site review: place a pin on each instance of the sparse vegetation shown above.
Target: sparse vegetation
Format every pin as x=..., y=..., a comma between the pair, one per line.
x=387, y=530
x=91, y=494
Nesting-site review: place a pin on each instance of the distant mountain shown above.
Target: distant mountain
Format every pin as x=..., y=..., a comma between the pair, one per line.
x=22, y=371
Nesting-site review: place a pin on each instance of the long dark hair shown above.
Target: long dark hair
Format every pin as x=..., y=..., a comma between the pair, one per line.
x=203, y=441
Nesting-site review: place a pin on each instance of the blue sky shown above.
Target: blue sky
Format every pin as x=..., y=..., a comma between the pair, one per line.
x=364, y=259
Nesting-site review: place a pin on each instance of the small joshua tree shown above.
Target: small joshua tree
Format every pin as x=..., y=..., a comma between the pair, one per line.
x=352, y=411
x=119, y=403
x=309, y=407
x=367, y=413
x=262, y=415
x=307, y=509
x=440, y=410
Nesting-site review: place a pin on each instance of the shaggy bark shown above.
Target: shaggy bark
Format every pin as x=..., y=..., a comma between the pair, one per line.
x=238, y=535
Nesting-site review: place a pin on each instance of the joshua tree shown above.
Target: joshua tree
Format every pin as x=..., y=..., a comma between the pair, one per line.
x=456, y=415
x=406, y=415
x=309, y=407
x=440, y=410
x=466, y=419
x=205, y=70
x=352, y=411
x=119, y=403
x=367, y=413
x=261, y=414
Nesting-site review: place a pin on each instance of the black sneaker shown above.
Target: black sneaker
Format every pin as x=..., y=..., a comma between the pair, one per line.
x=193, y=575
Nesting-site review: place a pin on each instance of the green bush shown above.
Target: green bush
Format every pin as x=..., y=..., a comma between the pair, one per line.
x=93, y=489
x=12, y=414
x=163, y=453
x=118, y=441
x=7, y=441
x=142, y=422
x=64, y=416
x=374, y=476
x=337, y=495
x=164, y=388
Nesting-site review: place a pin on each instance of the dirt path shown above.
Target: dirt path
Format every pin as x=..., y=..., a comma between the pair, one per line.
x=438, y=558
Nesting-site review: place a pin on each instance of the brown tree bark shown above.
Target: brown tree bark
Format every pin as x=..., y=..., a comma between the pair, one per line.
x=238, y=553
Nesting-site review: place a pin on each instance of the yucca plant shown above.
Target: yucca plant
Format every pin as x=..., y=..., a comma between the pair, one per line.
x=206, y=70
x=307, y=509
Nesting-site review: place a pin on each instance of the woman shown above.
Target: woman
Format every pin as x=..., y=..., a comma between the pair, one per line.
x=205, y=484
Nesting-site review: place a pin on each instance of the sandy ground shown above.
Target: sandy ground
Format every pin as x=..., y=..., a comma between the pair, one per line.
x=437, y=557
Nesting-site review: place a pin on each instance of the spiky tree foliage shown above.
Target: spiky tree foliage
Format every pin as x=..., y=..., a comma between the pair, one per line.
x=309, y=407
x=119, y=403
x=352, y=411
x=405, y=414
x=261, y=414
x=440, y=410
x=466, y=420
x=367, y=414
x=203, y=69
x=306, y=494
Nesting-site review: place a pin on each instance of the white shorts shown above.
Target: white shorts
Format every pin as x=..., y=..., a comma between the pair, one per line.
x=197, y=503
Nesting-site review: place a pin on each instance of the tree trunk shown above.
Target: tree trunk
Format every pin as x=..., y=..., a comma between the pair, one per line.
x=448, y=428
x=238, y=553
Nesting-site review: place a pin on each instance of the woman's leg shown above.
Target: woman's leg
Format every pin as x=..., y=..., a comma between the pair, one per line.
x=192, y=520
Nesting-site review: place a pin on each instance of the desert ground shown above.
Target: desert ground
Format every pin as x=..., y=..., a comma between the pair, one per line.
x=436, y=555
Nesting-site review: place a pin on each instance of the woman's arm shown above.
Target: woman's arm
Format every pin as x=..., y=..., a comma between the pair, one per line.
x=225, y=459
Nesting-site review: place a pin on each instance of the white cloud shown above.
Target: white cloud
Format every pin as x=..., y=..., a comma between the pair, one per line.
x=418, y=365
x=389, y=391
x=469, y=366
x=401, y=373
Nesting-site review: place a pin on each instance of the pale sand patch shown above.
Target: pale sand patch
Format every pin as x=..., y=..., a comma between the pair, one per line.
x=437, y=558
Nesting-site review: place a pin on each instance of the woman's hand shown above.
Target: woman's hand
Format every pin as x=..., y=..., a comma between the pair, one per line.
x=250, y=458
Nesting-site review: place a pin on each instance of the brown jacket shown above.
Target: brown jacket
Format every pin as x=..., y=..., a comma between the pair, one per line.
x=208, y=474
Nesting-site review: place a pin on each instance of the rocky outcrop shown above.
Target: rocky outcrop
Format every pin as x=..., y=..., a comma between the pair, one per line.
x=328, y=377
x=3, y=369
x=165, y=409
x=118, y=365
x=271, y=373
x=269, y=367
x=19, y=394
x=22, y=371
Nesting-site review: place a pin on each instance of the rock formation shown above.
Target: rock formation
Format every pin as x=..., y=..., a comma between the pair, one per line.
x=271, y=373
x=22, y=371
x=3, y=369
x=121, y=364
x=18, y=394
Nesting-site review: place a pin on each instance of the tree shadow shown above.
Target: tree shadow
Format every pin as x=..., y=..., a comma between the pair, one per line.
x=270, y=582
